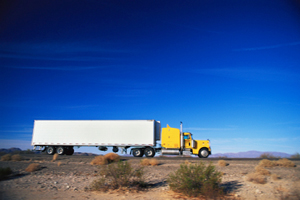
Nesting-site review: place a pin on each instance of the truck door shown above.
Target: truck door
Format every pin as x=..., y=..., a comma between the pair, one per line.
x=187, y=141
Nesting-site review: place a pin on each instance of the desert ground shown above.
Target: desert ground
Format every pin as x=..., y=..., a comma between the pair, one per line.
x=70, y=177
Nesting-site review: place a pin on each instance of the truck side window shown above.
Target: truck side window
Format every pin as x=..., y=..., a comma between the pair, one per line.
x=186, y=137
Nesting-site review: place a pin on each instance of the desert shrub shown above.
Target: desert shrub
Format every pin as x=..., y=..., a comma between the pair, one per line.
x=268, y=155
x=196, y=180
x=187, y=162
x=16, y=157
x=222, y=157
x=285, y=163
x=4, y=172
x=145, y=162
x=281, y=162
x=267, y=163
x=112, y=157
x=119, y=175
x=55, y=157
x=6, y=157
x=261, y=170
x=99, y=160
x=28, y=151
x=222, y=163
x=275, y=177
x=296, y=156
x=153, y=162
x=33, y=167
x=256, y=178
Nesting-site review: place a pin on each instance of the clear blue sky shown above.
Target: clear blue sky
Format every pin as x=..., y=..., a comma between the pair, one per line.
x=229, y=70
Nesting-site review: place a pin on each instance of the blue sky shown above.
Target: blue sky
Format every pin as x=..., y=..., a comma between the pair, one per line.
x=229, y=70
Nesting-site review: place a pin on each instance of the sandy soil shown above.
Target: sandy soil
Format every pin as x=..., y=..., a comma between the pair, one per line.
x=72, y=179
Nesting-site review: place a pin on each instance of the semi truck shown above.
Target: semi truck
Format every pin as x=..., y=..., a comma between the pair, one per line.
x=141, y=136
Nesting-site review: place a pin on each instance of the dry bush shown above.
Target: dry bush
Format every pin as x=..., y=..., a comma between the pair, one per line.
x=59, y=164
x=296, y=156
x=33, y=167
x=222, y=163
x=267, y=163
x=6, y=157
x=54, y=157
x=153, y=162
x=285, y=163
x=99, y=160
x=145, y=162
x=16, y=157
x=222, y=157
x=187, y=162
x=259, y=169
x=268, y=155
x=112, y=157
x=256, y=178
x=275, y=177
x=282, y=163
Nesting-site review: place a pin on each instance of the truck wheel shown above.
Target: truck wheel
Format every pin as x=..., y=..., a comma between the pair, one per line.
x=138, y=152
x=203, y=153
x=149, y=152
x=60, y=150
x=50, y=150
x=69, y=151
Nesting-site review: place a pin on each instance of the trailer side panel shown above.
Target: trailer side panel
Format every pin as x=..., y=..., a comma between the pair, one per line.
x=95, y=132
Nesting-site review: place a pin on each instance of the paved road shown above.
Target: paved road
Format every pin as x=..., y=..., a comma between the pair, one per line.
x=82, y=157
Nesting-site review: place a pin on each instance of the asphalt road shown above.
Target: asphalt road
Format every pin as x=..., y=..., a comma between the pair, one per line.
x=84, y=157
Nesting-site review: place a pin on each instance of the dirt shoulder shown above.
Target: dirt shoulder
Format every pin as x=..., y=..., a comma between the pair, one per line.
x=71, y=176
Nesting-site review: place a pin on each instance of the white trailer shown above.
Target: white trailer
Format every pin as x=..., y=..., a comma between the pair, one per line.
x=62, y=135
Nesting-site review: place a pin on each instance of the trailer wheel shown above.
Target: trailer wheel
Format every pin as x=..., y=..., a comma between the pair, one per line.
x=149, y=152
x=60, y=150
x=50, y=150
x=203, y=153
x=137, y=152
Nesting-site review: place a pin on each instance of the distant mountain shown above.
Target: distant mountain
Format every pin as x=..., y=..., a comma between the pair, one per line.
x=10, y=150
x=250, y=154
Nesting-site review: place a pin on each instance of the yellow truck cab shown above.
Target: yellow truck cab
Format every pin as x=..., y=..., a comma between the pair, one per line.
x=176, y=142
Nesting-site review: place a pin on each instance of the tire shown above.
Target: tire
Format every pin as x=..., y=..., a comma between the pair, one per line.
x=138, y=152
x=60, y=150
x=149, y=152
x=50, y=150
x=203, y=153
x=69, y=151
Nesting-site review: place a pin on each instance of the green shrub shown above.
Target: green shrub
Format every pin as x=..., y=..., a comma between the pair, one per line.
x=4, y=172
x=196, y=180
x=119, y=175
